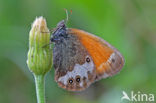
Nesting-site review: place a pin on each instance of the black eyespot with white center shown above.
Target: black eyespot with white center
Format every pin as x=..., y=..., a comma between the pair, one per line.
x=70, y=81
x=77, y=79
x=87, y=59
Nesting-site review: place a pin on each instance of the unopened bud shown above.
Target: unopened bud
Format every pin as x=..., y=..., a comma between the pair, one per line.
x=39, y=56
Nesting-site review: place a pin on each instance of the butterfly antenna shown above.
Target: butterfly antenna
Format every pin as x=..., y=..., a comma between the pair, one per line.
x=67, y=15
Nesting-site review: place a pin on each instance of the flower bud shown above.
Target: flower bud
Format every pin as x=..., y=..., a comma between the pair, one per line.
x=39, y=56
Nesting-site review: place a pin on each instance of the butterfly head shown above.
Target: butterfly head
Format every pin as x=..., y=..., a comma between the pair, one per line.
x=59, y=33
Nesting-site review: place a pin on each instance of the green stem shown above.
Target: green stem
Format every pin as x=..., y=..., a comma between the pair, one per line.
x=40, y=90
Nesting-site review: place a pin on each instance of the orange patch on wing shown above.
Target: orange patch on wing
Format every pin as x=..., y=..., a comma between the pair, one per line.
x=98, y=49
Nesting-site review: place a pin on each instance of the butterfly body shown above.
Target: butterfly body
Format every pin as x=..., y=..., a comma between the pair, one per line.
x=80, y=58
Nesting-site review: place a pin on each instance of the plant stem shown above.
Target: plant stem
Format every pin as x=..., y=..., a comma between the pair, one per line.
x=40, y=89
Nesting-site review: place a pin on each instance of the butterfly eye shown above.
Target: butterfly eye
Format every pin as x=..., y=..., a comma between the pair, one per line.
x=70, y=81
x=87, y=59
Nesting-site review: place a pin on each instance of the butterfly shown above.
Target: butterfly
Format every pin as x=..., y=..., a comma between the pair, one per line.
x=81, y=58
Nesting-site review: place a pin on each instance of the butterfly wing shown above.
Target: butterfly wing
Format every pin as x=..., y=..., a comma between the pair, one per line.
x=107, y=60
x=74, y=66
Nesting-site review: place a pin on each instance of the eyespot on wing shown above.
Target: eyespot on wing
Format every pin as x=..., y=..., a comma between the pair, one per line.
x=107, y=59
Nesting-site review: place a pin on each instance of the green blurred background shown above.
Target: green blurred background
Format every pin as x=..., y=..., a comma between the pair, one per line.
x=129, y=25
